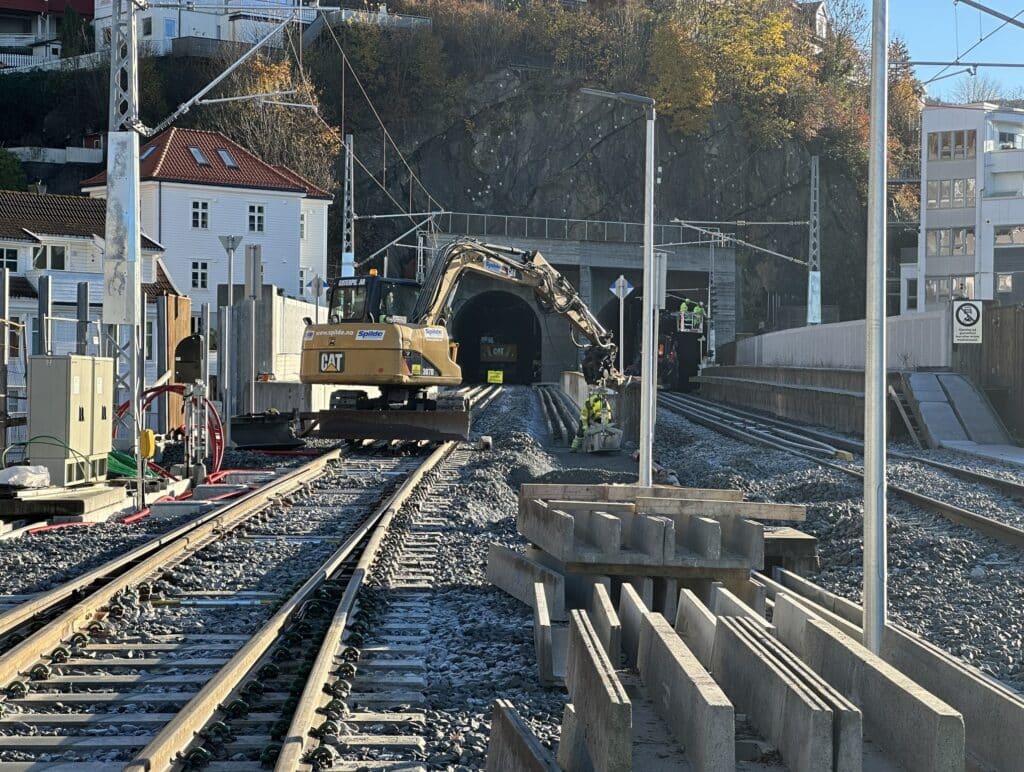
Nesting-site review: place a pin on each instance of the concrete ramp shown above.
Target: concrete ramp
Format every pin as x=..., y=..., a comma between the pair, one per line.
x=953, y=411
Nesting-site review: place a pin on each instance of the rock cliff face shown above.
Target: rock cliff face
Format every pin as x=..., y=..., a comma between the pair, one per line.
x=530, y=144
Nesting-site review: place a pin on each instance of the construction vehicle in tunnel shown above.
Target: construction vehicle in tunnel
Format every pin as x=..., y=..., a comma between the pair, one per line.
x=391, y=334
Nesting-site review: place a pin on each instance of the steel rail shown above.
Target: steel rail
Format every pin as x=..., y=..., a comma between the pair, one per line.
x=313, y=695
x=987, y=526
x=165, y=749
x=190, y=538
x=1008, y=487
x=162, y=751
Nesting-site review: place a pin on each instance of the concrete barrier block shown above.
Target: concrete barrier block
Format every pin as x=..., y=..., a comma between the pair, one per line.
x=603, y=532
x=573, y=755
x=606, y=623
x=789, y=716
x=631, y=613
x=604, y=713
x=725, y=604
x=695, y=624
x=512, y=747
x=744, y=537
x=542, y=640
x=686, y=697
x=549, y=529
x=666, y=593
x=702, y=535
x=916, y=729
x=515, y=574
x=655, y=537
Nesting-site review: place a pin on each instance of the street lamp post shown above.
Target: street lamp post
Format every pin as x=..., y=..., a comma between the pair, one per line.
x=230, y=244
x=648, y=393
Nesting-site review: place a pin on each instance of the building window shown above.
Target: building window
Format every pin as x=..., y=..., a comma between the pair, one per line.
x=201, y=214
x=1004, y=282
x=170, y=29
x=197, y=154
x=936, y=291
x=949, y=241
x=200, y=271
x=1008, y=235
x=302, y=225
x=962, y=287
x=911, y=294
x=48, y=258
x=302, y=281
x=9, y=259
x=14, y=339
x=1010, y=140
x=255, y=218
x=949, y=145
x=149, y=347
x=946, y=194
x=106, y=36
x=227, y=158
x=196, y=325
x=147, y=26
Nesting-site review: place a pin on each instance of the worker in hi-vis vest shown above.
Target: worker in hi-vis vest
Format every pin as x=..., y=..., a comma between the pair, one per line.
x=595, y=410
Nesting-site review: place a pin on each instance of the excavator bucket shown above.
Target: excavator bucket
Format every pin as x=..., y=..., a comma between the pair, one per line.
x=436, y=425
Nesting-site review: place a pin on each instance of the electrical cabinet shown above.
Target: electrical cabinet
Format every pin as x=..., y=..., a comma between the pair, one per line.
x=68, y=397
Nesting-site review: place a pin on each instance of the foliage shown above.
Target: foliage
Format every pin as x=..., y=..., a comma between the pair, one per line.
x=977, y=88
x=289, y=136
x=75, y=34
x=684, y=85
x=12, y=175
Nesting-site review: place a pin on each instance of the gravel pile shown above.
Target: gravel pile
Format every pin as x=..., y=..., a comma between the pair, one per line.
x=959, y=590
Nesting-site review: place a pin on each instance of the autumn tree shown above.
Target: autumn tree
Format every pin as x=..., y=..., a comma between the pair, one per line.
x=294, y=137
x=683, y=84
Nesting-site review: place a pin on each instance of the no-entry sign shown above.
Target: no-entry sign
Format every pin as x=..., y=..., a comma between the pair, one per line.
x=967, y=321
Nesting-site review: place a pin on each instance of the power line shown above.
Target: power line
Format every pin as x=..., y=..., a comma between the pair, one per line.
x=981, y=39
x=431, y=201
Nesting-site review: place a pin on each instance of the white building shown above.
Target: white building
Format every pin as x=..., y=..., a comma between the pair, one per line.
x=62, y=237
x=972, y=208
x=199, y=185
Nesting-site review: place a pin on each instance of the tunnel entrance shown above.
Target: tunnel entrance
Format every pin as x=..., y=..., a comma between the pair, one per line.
x=497, y=330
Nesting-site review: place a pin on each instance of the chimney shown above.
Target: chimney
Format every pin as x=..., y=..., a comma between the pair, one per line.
x=37, y=187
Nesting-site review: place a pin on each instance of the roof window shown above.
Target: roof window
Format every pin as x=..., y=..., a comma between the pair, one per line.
x=147, y=152
x=227, y=158
x=198, y=155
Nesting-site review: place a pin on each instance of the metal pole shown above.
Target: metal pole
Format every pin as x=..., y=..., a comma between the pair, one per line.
x=647, y=383
x=82, y=328
x=45, y=292
x=225, y=369
x=205, y=316
x=5, y=349
x=874, y=370
x=622, y=333
x=252, y=353
x=814, y=250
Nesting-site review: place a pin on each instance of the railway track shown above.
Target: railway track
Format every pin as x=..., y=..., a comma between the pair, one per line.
x=819, y=447
x=169, y=661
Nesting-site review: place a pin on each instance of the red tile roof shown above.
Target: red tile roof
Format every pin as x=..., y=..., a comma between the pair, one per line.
x=171, y=160
x=25, y=215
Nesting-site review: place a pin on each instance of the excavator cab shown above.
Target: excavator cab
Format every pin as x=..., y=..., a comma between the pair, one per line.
x=371, y=299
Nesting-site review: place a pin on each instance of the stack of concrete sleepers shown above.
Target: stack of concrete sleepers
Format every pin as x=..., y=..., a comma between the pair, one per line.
x=655, y=536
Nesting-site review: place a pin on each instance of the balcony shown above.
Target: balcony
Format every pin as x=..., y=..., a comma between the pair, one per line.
x=1003, y=161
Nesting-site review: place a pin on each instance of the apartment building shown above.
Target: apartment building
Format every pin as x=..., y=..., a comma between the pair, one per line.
x=972, y=208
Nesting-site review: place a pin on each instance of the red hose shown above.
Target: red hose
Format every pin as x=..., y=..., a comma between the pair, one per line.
x=214, y=424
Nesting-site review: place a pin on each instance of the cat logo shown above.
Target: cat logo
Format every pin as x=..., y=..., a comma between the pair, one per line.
x=332, y=362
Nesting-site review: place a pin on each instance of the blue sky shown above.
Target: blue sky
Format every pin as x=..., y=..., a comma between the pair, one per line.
x=931, y=29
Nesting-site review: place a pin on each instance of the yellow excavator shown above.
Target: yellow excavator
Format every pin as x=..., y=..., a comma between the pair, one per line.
x=392, y=334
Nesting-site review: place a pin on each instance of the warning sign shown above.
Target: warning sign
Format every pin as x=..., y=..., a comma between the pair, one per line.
x=495, y=376
x=967, y=321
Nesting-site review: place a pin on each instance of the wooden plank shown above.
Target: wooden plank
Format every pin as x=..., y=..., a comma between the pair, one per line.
x=619, y=493
x=754, y=510
x=611, y=507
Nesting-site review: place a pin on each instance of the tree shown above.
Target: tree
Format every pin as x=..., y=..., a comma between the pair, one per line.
x=12, y=175
x=289, y=136
x=75, y=34
x=684, y=86
x=977, y=88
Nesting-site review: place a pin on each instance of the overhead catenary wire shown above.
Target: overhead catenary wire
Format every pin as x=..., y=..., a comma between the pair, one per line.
x=981, y=39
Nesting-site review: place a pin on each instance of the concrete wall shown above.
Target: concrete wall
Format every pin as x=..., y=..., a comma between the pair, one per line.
x=914, y=340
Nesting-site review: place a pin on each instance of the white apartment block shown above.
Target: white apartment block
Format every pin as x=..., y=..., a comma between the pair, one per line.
x=199, y=185
x=972, y=208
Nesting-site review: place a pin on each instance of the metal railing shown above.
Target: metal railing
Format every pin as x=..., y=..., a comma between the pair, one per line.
x=563, y=229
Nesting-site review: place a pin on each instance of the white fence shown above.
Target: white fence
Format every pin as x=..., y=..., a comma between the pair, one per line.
x=914, y=340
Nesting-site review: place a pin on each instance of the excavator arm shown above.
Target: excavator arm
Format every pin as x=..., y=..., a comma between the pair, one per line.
x=524, y=269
